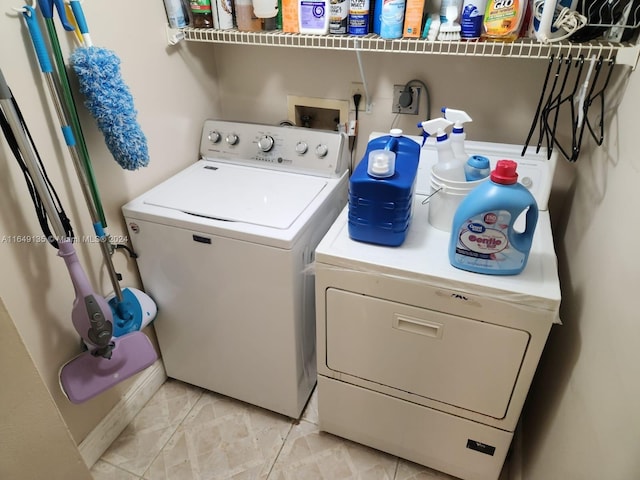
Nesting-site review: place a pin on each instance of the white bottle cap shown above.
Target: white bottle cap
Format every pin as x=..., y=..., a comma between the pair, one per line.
x=382, y=163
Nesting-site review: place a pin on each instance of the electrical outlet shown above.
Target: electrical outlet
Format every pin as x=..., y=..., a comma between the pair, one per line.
x=356, y=87
x=410, y=109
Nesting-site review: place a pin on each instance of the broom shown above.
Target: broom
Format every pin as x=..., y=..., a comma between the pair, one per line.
x=108, y=99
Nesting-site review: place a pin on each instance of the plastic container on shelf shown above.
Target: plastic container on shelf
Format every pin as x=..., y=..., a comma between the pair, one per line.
x=391, y=18
x=246, y=19
x=313, y=16
x=502, y=20
x=176, y=13
x=201, y=13
x=359, y=12
x=483, y=236
x=381, y=190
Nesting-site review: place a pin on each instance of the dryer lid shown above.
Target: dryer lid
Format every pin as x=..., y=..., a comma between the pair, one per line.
x=238, y=194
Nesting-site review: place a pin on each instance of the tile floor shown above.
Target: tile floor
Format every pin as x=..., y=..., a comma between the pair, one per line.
x=187, y=433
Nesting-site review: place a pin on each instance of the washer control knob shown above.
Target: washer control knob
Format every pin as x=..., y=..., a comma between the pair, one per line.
x=214, y=136
x=322, y=150
x=265, y=143
x=301, y=147
x=232, y=139
x=527, y=182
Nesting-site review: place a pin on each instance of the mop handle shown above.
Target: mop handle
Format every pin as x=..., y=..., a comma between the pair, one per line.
x=47, y=68
x=67, y=131
x=31, y=162
x=78, y=14
x=46, y=7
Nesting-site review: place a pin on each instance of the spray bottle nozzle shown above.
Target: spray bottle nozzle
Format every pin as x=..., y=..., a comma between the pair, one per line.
x=435, y=126
x=458, y=117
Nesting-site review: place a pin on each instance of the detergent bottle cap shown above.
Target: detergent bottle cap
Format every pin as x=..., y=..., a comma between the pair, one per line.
x=458, y=117
x=505, y=172
x=395, y=132
x=382, y=163
x=478, y=161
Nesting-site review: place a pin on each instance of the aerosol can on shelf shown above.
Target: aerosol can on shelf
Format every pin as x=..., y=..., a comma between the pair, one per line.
x=458, y=135
x=448, y=167
x=483, y=237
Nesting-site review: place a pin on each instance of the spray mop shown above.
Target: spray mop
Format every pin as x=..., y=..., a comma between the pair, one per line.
x=132, y=308
x=109, y=360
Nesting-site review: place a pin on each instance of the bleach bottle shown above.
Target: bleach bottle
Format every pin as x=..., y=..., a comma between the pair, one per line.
x=381, y=190
x=483, y=238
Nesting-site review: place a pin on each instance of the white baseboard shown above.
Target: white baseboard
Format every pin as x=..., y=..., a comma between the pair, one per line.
x=111, y=426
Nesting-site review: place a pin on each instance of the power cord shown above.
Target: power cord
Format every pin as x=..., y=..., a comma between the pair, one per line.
x=356, y=102
x=565, y=19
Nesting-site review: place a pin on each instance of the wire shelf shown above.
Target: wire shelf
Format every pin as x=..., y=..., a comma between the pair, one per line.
x=625, y=53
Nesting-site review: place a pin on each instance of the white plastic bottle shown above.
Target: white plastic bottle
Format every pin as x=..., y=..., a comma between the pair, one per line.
x=313, y=16
x=392, y=18
x=458, y=135
x=176, y=13
x=448, y=167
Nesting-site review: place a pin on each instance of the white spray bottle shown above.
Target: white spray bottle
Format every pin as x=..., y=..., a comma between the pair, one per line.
x=459, y=118
x=448, y=167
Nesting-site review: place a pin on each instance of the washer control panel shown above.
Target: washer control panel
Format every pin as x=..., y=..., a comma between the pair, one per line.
x=293, y=149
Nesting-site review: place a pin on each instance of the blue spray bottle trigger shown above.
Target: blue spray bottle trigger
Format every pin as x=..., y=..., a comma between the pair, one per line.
x=425, y=134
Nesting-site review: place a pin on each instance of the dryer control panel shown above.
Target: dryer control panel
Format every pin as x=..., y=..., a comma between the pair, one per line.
x=292, y=149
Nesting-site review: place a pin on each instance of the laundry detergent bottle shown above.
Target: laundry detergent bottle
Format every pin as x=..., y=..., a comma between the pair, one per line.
x=483, y=237
x=381, y=190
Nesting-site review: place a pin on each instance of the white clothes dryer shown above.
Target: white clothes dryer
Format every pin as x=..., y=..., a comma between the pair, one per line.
x=224, y=248
x=423, y=360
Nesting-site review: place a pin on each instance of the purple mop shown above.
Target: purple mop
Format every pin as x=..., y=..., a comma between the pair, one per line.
x=109, y=359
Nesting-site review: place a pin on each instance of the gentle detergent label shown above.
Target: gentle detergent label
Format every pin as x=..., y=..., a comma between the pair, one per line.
x=484, y=242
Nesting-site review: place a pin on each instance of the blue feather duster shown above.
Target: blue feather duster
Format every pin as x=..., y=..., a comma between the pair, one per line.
x=111, y=104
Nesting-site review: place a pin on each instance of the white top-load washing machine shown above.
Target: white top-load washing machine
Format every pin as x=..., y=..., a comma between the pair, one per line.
x=224, y=248
x=423, y=360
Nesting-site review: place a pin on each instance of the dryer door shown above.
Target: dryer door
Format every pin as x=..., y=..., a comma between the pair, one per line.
x=455, y=360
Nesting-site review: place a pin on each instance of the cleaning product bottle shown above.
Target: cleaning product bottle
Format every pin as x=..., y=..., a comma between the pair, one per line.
x=448, y=167
x=483, y=238
x=381, y=190
x=458, y=136
x=476, y=168
x=201, y=12
x=313, y=16
x=502, y=20
x=359, y=11
x=391, y=19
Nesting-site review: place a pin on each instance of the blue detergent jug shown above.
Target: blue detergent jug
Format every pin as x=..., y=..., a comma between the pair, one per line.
x=483, y=238
x=381, y=190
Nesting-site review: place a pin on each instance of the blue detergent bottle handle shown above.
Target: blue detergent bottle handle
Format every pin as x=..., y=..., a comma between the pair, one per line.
x=522, y=240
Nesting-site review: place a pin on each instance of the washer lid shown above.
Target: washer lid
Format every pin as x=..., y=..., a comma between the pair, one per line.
x=238, y=194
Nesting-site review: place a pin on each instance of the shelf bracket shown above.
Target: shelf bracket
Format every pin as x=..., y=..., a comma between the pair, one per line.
x=174, y=35
x=628, y=56
x=367, y=97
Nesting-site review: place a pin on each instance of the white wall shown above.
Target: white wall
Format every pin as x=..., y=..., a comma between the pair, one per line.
x=173, y=91
x=31, y=424
x=582, y=418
